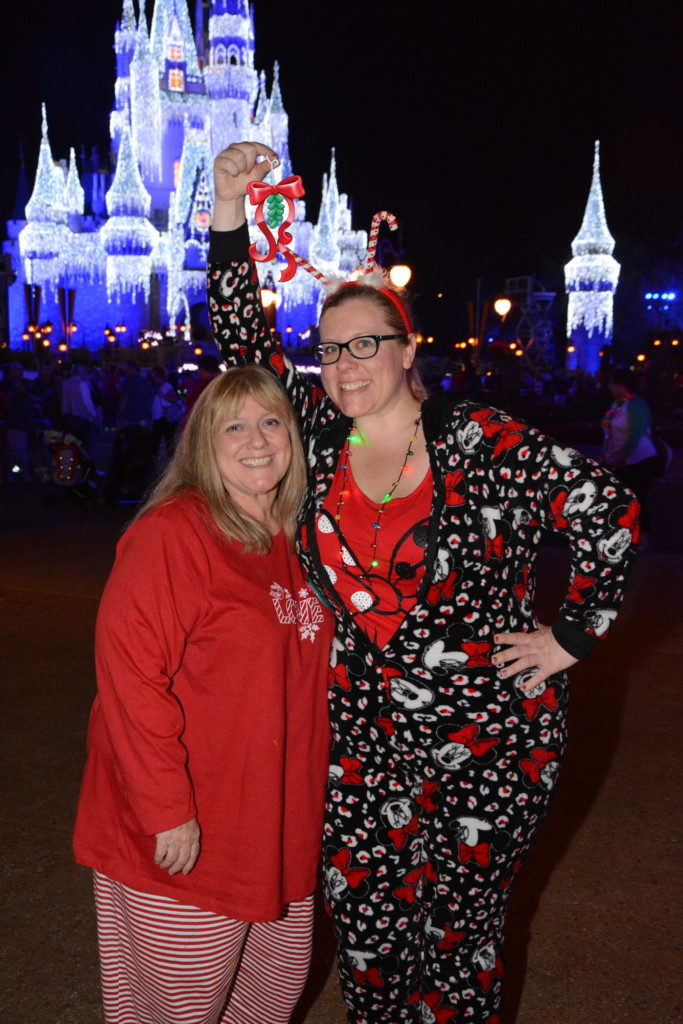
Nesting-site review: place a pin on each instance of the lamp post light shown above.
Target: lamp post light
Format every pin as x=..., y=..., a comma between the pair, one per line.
x=502, y=307
x=400, y=275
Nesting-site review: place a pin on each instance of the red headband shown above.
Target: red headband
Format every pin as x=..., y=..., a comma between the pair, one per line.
x=401, y=309
x=388, y=293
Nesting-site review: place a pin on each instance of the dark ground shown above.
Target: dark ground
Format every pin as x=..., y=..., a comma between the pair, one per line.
x=593, y=930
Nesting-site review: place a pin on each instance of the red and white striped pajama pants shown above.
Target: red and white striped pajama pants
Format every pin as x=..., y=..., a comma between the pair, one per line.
x=165, y=962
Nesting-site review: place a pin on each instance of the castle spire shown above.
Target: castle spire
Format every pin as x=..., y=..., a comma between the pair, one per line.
x=128, y=17
x=145, y=103
x=591, y=278
x=261, y=111
x=75, y=196
x=47, y=202
x=127, y=195
x=594, y=236
x=276, y=104
x=127, y=237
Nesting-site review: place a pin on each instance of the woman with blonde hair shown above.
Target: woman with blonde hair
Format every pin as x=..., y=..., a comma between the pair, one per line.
x=201, y=805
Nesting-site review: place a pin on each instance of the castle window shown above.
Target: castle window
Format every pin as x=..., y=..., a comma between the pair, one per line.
x=175, y=53
x=176, y=80
x=219, y=56
x=233, y=55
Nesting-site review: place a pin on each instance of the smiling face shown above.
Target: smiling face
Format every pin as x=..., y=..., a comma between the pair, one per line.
x=252, y=453
x=362, y=387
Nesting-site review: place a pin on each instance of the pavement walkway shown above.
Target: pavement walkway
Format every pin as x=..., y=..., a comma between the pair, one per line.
x=593, y=926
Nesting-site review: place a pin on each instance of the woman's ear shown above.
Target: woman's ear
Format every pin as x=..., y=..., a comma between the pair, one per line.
x=409, y=351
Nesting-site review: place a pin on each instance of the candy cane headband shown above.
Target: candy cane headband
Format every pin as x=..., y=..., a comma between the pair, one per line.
x=275, y=209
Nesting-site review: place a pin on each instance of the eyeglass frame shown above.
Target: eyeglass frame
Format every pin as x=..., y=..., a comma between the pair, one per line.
x=347, y=345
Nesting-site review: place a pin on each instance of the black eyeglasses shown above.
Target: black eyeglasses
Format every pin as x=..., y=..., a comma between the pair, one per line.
x=363, y=347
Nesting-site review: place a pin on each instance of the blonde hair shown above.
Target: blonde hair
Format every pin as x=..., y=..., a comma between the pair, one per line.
x=355, y=291
x=194, y=466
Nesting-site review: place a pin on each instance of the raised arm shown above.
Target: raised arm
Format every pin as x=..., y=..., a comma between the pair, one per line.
x=239, y=323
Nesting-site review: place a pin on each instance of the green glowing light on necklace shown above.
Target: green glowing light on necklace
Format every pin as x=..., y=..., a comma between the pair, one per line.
x=386, y=498
x=374, y=563
x=355, y=439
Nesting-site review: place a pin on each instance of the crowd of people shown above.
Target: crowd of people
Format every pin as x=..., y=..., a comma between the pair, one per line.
x=106, y=409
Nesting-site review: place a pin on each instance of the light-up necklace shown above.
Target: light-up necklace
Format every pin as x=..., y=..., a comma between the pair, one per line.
x=355, y=438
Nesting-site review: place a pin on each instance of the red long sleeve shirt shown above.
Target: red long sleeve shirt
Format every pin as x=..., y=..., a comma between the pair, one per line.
x=211, y=672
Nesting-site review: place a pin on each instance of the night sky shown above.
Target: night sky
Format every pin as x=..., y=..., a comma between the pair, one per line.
x=473, y=122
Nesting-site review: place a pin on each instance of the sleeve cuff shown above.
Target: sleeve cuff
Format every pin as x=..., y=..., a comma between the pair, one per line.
x=573, y=639
x=229, y=246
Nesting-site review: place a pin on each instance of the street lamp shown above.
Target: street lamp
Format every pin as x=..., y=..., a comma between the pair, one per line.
x=400, y=275
x=502, y=307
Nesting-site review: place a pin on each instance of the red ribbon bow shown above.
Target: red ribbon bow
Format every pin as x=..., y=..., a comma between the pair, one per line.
x=369, y=977
x=481, y=853
x=444, y=589
x=532, y=705
x=452, y=481
x=290, y=189
x=399, y=836
x=477, y=653
x=338, y=677
x=408, y=891
x=386, y=725
x=442, y=1014
x=631, y=520
x=424, y=799
x=468, y=737
x=450, y=939
x=520, y=589
x=494, y=547
x=578, y=584
x=541, y=758
x=557, y=503
x=354, y=876
x=350, y=766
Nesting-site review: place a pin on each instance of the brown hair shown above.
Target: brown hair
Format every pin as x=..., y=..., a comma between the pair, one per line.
x=194, y=463
x=366, y=293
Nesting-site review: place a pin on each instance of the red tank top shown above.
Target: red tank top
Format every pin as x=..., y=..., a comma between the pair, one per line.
x=378, y=597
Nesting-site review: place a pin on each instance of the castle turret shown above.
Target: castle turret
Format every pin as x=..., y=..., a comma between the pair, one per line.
x=173, y=48
x=591, y=279
x=145, y=103
x=75, y=195
x=43, y=241
x=127, y=237
x=324, y=248
x=230, y=77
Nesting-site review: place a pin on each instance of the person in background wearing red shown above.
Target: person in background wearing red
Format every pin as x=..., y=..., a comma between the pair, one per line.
x=202, y=801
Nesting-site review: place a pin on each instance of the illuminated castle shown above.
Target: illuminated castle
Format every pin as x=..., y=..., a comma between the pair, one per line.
x=129, y=249
x=591, y=279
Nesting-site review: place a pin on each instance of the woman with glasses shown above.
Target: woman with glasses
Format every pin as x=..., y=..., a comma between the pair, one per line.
x=421, y=527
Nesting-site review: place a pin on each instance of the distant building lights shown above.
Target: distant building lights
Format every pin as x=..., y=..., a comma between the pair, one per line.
x=657, y=341
x=198, y=351
x=640, y=358
x=648, y=295
x=571, y=348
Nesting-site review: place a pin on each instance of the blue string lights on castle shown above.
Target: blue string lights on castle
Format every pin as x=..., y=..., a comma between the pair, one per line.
x=95, y=249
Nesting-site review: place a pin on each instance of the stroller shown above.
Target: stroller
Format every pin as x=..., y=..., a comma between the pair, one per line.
x=70, y=470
